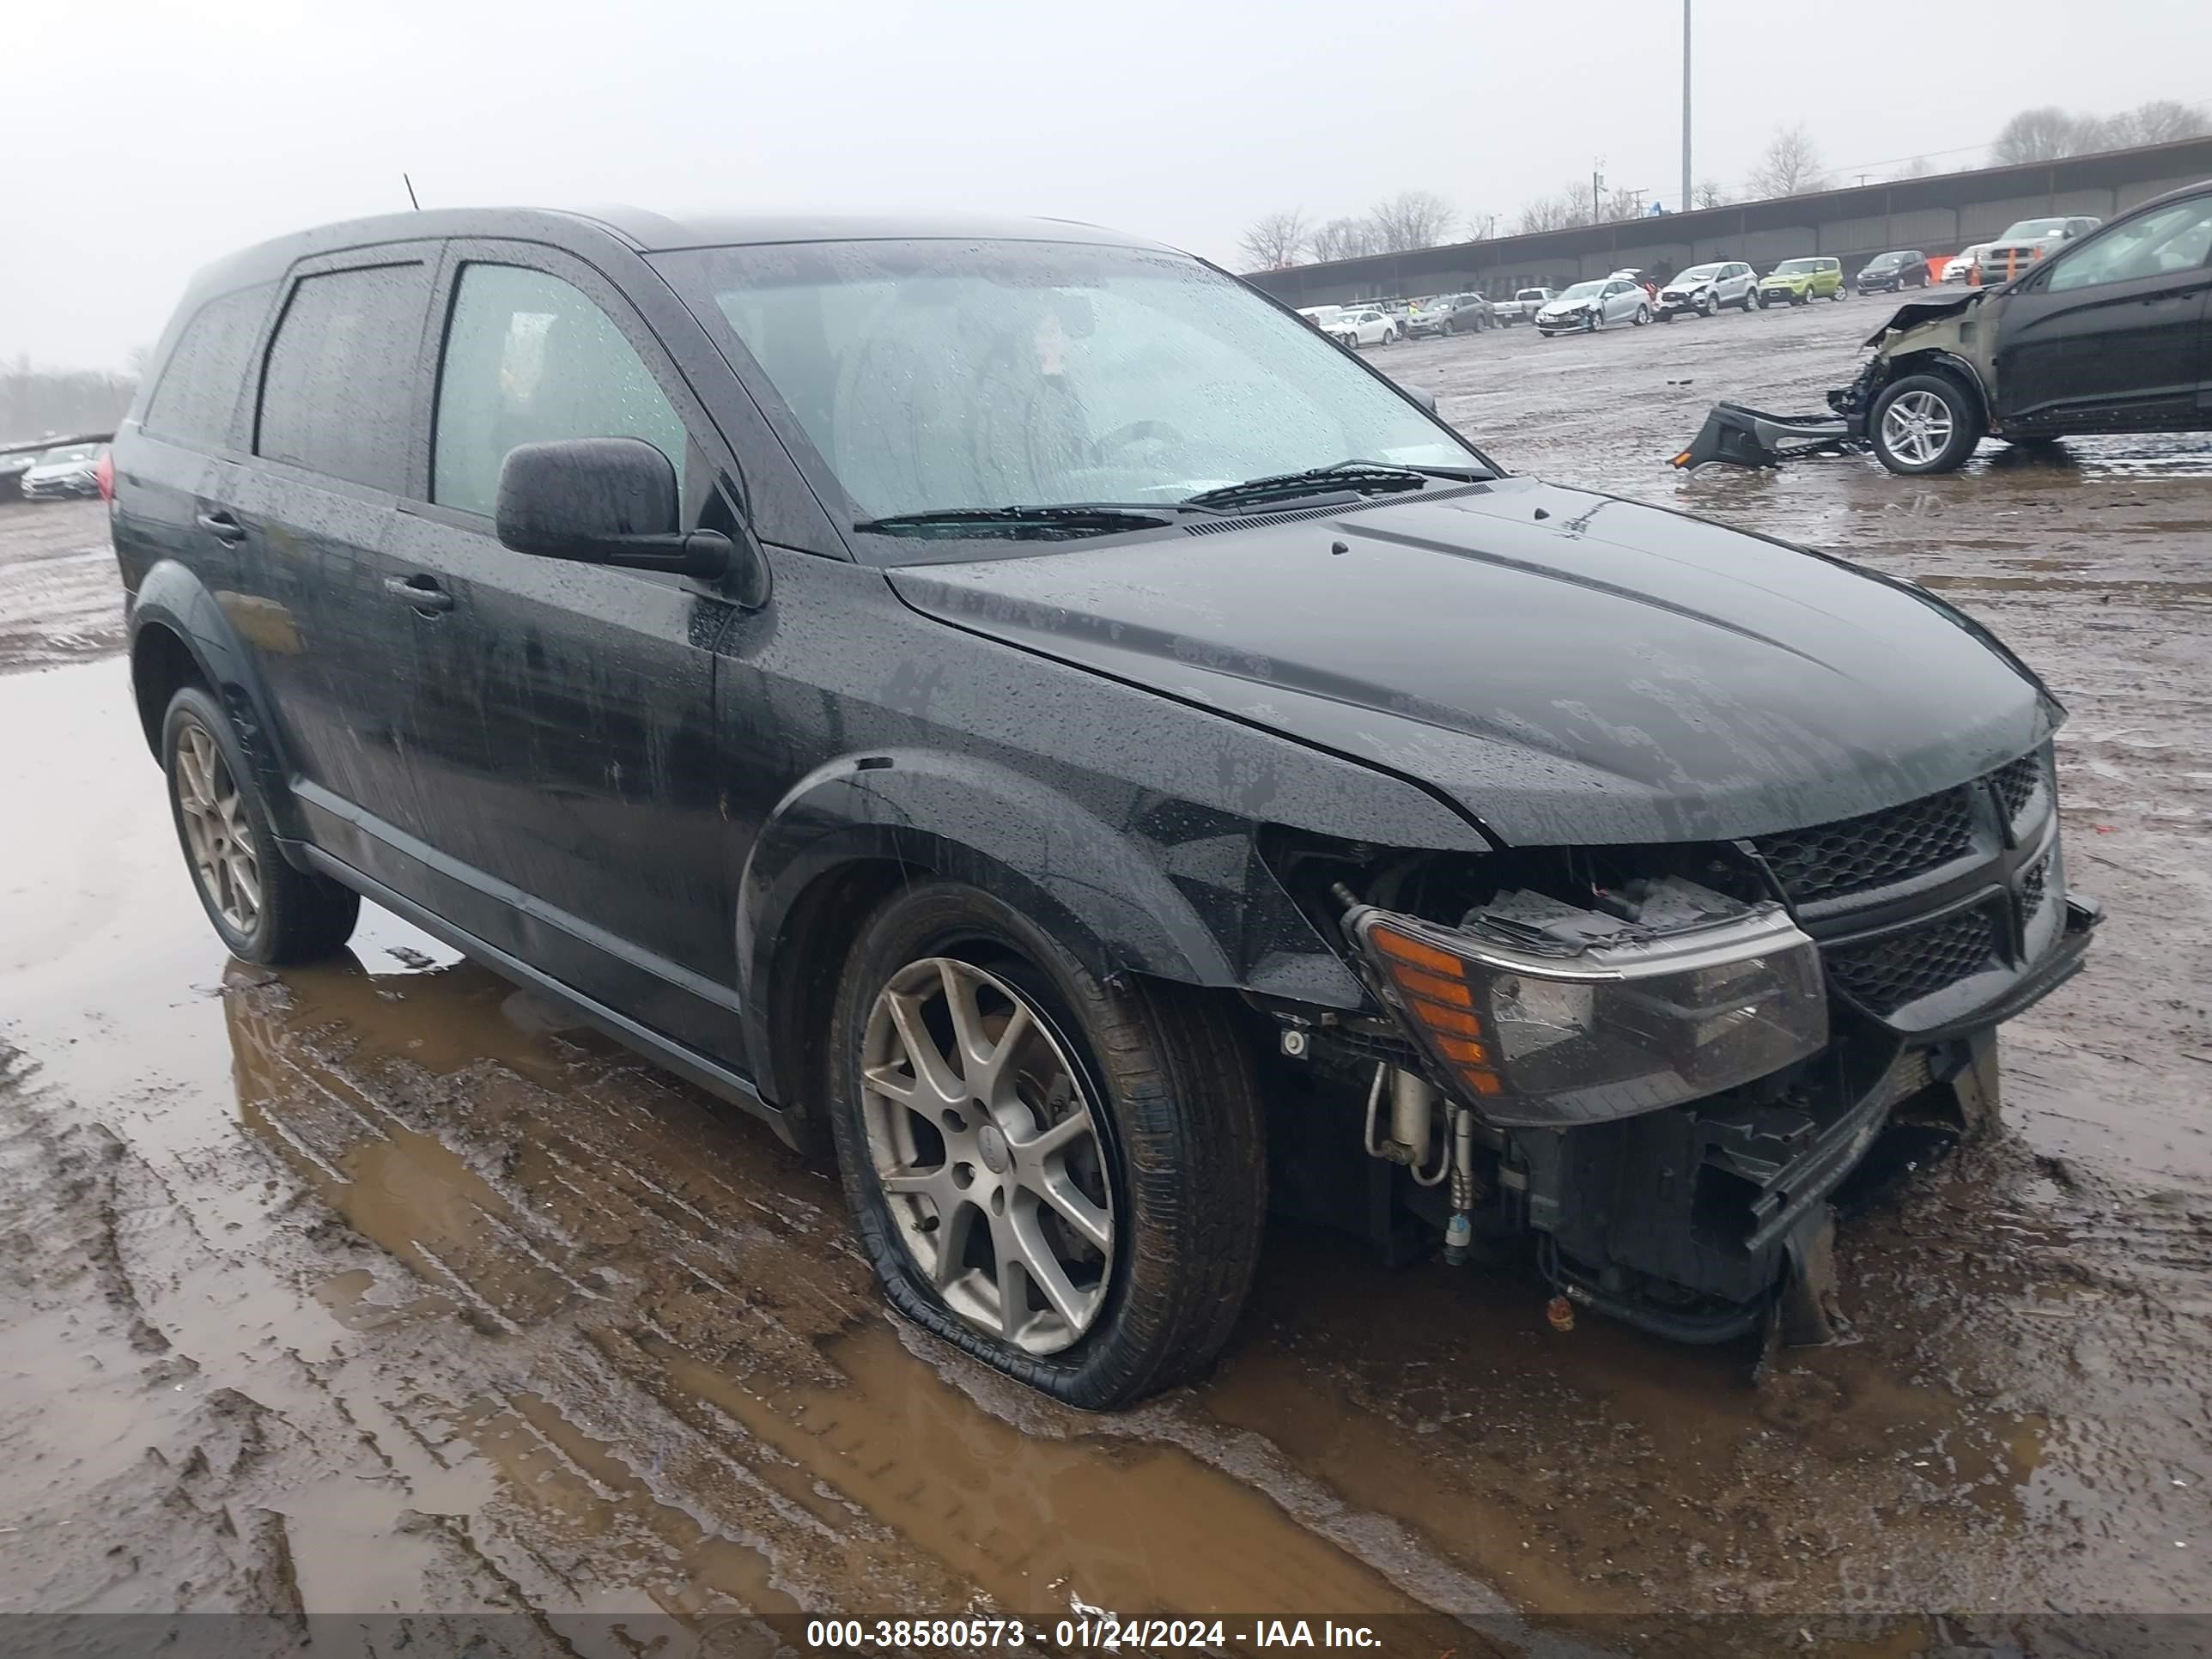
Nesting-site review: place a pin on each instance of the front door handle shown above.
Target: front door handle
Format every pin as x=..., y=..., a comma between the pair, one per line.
x=421, y=592
x=224, y=528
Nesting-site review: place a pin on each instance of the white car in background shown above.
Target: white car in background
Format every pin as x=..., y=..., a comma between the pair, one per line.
x=1959, y=268
x=1702, y=290
x=1589, y=306
x=1358, y=327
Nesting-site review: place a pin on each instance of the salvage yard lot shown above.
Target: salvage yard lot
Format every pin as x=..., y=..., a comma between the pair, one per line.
x=363, y=1287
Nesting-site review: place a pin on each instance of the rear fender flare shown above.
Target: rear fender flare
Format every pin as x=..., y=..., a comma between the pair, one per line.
x=171, y=596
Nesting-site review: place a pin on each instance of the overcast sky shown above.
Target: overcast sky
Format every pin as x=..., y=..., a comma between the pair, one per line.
x=139, y=138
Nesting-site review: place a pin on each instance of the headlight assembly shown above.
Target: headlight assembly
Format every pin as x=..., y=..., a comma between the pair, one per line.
x=1547, y=1015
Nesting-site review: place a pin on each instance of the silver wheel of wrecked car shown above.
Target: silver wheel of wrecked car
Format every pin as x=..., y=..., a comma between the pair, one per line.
x=1925, y=423
x=985, y=1141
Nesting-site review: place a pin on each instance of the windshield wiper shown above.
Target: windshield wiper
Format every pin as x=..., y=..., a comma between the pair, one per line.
x=1354, y=478
x=1040, y=522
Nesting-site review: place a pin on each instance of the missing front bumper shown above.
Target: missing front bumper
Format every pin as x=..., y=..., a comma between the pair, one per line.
x=1740, y=436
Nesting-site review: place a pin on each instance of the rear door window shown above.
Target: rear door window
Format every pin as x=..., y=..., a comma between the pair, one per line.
x=197, y=396
x=531, y=358
x=334, y=394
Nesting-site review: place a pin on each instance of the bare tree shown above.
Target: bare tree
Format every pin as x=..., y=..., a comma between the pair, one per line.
x=1918, y=168
x=2040, y=135
x=1412, y=219
x=1563, y=211
x=2161, y=121
x=1710, y=194
x=1790, y=167
x=1275, y=239
x=1342, y=239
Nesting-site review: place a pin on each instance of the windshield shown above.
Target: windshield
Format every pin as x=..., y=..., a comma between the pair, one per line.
x=1530, y=294
x=69, y=452
x=1884, y=261
x=1583, y=291
x=932, y=376
x=1789, y=267
x=1700, y=273
x=2029, y=230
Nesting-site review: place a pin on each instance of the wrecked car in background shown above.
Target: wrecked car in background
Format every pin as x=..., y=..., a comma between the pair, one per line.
x=2111, y=334
x=1007, y=702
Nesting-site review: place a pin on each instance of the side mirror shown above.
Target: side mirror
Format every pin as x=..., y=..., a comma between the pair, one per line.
x=1423, y=396
x=601, y=501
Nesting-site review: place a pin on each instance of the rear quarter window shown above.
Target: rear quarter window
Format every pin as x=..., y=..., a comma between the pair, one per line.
x=335, y=395
x=197, y=396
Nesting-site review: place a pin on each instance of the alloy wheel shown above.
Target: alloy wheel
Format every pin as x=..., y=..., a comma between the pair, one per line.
x=224, y=861
x=1917, y=426
x=985, y=1140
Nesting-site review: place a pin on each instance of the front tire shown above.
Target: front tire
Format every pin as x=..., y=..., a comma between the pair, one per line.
x=1066, y=1180
x=1925, y=423
x=264, y=910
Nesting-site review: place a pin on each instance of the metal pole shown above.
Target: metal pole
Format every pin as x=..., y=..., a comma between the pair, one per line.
x=1683, y=206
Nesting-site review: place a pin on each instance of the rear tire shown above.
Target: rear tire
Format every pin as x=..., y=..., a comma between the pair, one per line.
x=1642, y=316
x=264, y=910
x=1924, y=424
x=1172, y=1174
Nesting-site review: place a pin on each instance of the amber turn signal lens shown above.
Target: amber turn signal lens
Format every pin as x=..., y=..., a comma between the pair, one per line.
x=1461, y=1050
x=1431, y=989
x=1481, y=1082
x=1444, y=1022
x=1414, y=953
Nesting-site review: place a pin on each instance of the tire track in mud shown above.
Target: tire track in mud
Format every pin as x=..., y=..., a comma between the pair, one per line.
x=790, y=1459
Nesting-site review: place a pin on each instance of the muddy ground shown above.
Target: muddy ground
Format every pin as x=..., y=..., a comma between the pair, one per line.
x=367, y=1289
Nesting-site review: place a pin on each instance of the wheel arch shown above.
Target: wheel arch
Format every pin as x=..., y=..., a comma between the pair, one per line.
x=180, y=636
x=852, y=831
x=1936, y=360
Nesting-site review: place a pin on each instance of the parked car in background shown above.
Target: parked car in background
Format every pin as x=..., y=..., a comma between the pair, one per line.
x=2105, y=334
x=1449, y=314
x=1523, y=305
x=14, y=463
x=1358, y=327
x=2029, y=241
x=1702, y=290
x=1642, y=279
x=1960, y=267
x=1793, y=281
x=58, y=474
x=1893, y=272
x=1320, y=316
x=1587, y=306
x=809, y=678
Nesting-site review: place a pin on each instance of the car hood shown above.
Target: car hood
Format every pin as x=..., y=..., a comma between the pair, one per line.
x=1568, y=668
x=1913, y=312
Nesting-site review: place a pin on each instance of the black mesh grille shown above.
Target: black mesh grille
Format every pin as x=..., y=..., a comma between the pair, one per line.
x=2032, y=885
x=1871, y=851
x=2017, y=782
x=1887, y=974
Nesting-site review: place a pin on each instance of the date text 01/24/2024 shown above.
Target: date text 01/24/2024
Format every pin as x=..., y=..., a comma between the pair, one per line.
x=1099, y=1631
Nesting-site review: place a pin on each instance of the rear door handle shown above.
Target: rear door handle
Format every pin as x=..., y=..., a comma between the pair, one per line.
x=421, y=592
x=224, y=528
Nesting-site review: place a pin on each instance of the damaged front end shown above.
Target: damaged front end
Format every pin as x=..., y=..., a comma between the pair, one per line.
x=1664, y=1067
x=1935, y=330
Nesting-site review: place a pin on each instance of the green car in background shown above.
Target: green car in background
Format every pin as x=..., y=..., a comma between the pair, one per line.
x=1796, y=281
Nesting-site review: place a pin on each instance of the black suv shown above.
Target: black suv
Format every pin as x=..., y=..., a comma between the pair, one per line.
x=1893, y=272
x=1009, y=702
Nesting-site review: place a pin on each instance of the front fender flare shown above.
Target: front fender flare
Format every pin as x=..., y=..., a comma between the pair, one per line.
x=1087, y=882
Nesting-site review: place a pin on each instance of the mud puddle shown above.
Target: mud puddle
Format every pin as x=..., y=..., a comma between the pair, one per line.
x=366, y=1286
x=371, y=1288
